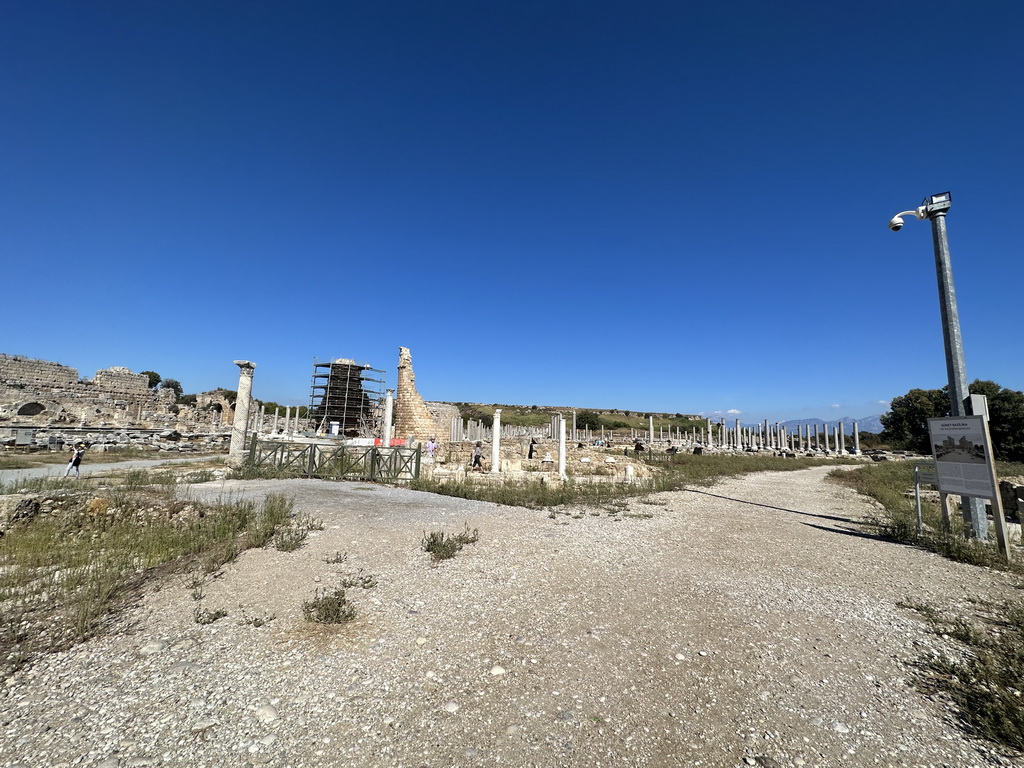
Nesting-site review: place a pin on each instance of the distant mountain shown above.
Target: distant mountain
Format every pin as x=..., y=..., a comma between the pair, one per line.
x=866, y=424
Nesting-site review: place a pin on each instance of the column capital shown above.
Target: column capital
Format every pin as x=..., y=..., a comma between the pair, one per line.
x=246, y=366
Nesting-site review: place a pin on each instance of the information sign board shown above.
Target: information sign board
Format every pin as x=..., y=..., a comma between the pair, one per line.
x=963, y=456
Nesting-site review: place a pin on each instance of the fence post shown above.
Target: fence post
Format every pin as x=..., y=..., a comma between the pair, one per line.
x=311, y=463
x=252, y=450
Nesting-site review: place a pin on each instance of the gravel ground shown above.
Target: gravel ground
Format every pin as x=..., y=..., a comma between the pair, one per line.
x=750, y=624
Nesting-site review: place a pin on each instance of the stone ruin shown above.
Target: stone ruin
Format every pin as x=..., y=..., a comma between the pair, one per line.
x=54, y=400
x=414, y=417
x=41, y=393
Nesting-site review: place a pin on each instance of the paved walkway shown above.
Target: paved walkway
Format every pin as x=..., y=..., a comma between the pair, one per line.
x=55, y=470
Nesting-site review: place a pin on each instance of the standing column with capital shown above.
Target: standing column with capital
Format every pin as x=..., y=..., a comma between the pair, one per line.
x=236, y=450
x=496, y=440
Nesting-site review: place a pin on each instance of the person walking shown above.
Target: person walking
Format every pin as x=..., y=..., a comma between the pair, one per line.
x=76, y=459
x=478, y=456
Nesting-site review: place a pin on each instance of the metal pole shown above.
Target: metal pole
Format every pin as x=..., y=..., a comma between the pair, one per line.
x=956, y=370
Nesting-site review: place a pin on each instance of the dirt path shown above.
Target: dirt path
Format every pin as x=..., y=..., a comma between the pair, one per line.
x=754, y=623
x=91, y=467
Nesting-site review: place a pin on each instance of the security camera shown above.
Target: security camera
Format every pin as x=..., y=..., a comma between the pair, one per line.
x=896, y=224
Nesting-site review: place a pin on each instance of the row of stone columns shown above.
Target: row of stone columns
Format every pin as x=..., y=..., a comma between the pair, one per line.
x=778, y=437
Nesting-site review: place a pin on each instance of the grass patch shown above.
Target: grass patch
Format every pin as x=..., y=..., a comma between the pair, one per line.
x=891, y=485
x=986, y=680
x=444, y=546
x=673, y=473
x=64, y=575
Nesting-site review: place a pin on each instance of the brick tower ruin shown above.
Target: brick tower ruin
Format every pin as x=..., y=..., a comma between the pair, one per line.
x=412, y=416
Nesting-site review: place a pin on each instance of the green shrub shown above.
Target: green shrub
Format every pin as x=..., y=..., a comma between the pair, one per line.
x=443, y=546
x=329, y=607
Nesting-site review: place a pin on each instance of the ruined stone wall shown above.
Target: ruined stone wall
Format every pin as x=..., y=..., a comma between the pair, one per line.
x=40, y=393
x=215, y=407
x=122, y=382
x=21, y=375
x=443, y=413
x=412, y=417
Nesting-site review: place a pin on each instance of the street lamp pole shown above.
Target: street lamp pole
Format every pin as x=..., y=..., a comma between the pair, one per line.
x=956, y=369
x=934, y=209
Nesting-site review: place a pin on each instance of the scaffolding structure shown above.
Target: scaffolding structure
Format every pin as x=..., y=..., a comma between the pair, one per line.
x=347, y=394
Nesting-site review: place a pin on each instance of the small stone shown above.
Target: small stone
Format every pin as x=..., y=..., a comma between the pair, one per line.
x=840, y=727
x=153, y=646
x=680, y=657
x=497, y=670
x=267, y=713
x=452, y=707
x=204, y=724
x=702, y=653
x=421, y=640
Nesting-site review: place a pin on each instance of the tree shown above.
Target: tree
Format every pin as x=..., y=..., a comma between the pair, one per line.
x=1005, y=419
x=154, y=378
x=588, y=420
x=173, y=384
x=906, y=424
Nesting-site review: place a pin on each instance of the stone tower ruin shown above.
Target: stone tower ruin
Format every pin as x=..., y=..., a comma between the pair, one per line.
x=413, y=417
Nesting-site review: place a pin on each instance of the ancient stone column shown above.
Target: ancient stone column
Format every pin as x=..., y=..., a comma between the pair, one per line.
x=277, y=412
x=575, y=435
x=650, y=429
x=561, y=447
x=236, y=449
x=826, y=438
x=841, y=438
x=389, y=404
x=856, y=439
x=496, y=440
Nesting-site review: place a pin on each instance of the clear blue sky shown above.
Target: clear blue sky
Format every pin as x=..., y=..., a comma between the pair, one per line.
x=654, y=206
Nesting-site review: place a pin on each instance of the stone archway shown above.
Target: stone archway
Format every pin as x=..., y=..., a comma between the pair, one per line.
x=31, y=409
